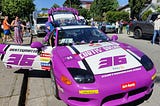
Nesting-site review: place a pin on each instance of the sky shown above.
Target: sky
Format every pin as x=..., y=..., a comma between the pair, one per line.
x=48, y=3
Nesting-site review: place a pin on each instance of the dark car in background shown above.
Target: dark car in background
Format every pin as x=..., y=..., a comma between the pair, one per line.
x=143, y=28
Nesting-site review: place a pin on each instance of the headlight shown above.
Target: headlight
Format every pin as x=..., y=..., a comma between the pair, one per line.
x=146, y=62
x=81, y=75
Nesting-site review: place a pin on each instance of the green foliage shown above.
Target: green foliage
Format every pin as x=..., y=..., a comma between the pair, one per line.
x=77, y=5
x=113, y=16
x=0, y=5
x=136, y=7
x=55, y=5
x=72, y=3
x=158, y=9
x=146, y=14
x=44, y=8
x=21, y=8
x=99, y=7
x=84, y=12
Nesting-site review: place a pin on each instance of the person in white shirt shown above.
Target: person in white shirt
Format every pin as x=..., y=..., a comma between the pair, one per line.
x=117, y=26
x=156, y=29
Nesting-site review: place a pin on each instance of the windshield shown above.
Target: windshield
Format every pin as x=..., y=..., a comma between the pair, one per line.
x=42, y=20
x=63, y=16
x=81, y=36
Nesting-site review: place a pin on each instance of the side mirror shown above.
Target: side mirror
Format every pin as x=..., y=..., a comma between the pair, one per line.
x=114, y=38
x=37, y=45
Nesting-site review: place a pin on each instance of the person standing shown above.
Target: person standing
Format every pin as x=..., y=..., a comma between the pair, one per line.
x=156, y=29
x=103, y=28
x=28, y=26
x=1, y=30
x=121, y=26
x=6, y=29
x=117, y=26
x=17, y=30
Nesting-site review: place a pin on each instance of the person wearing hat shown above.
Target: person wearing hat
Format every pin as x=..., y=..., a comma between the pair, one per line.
x=156, y=29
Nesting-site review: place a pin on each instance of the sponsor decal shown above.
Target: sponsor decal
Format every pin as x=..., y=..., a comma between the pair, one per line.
x=23, y=50
x=45, y=64
x=112, y=61
x=95, y=51
x=94, y=45
x=48, y=55
x=43, y=15
x=128, y=85
x=68, y=58
x=45, y=67
x=45, y=61
x=89, y=91
x=21, y=60
x=118, y=68
x=121, y=72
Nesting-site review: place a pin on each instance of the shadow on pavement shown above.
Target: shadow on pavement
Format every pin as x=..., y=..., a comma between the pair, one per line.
x=34, y=73
x=146, y=38
x=27, y=74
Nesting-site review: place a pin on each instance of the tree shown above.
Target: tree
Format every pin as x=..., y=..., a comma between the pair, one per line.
x=0, y=5
x=113, y=16
x=146, y=14
x=84, y=12
x=136, y=7
x=99, y=7
x=158, y=9
x=22, y=8
x=44, y=8
x=55, y=5
x=72, y=3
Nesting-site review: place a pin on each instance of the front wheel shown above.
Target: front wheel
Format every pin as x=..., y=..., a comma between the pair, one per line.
x=137, y=33
x=54, y=85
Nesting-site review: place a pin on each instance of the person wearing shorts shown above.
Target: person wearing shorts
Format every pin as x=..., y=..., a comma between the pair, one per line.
x=6, y=28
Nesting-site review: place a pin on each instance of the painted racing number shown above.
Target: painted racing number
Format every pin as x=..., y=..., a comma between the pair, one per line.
x=112, y=61
x=22, y=60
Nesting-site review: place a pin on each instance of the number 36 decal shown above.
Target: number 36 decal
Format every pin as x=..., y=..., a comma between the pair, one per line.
x=112, y=61
x=22, y=60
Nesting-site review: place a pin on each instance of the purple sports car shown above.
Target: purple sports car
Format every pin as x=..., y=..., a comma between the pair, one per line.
x=87, y=67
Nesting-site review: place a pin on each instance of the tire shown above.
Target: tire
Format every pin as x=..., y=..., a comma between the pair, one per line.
x=137, y=33
x=54, y=85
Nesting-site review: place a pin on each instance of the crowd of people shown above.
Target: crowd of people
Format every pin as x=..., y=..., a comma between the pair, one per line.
x=18, y=27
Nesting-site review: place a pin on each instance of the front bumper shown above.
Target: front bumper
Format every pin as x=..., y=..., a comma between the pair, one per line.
x=107, y=91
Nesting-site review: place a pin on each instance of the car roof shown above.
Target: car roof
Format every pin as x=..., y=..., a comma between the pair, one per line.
x=74, y=27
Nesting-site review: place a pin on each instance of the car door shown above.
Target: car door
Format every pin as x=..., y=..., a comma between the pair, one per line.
x=25, y=57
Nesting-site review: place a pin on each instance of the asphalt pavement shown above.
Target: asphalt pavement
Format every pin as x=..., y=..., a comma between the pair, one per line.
x=12, y=83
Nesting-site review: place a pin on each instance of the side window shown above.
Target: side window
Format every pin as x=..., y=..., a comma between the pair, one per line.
x=154, y=17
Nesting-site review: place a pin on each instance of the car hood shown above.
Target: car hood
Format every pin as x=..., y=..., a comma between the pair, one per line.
x=100, y=58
